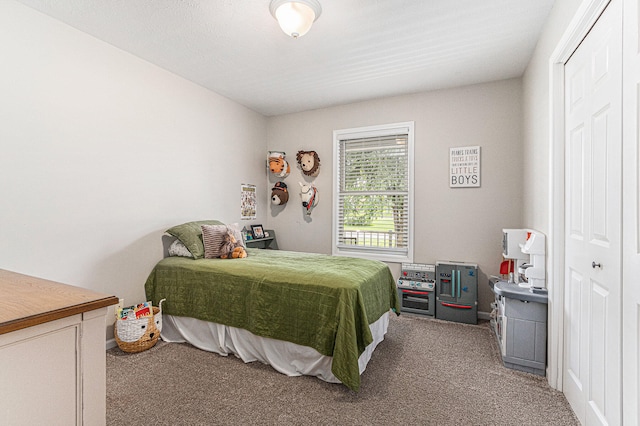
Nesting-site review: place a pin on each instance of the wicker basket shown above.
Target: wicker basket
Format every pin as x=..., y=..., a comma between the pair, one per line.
x=140, y=334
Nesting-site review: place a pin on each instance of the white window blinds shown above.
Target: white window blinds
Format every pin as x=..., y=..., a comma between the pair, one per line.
x=373, y=190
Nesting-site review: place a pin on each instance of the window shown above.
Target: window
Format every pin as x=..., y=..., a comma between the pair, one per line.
x=373, y=187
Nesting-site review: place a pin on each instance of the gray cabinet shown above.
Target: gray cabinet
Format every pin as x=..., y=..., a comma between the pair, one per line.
x=520, y=325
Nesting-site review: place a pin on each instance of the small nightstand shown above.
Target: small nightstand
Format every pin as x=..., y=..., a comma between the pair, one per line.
x=269, y=242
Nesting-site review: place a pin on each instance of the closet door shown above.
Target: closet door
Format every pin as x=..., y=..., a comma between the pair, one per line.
x=631, y=218
x=593, y=179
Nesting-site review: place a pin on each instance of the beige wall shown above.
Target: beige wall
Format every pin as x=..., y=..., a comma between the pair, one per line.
x=450, y=224
x=101, y=152
x=536, y=83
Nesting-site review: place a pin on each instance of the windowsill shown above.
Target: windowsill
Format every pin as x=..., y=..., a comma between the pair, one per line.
x=383, y=257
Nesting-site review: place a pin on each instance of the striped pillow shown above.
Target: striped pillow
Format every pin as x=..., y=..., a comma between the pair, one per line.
x=213, y=237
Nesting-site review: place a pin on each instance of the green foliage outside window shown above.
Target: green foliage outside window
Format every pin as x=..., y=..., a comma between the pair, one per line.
x=380, y=172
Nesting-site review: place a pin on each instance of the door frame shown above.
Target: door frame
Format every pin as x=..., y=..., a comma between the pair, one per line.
x=584, y=19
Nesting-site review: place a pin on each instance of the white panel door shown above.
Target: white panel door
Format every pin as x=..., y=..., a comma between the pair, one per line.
x=593, y=179
x=631, y=217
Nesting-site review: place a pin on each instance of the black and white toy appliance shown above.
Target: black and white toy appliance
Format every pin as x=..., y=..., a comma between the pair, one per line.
x=417, y=288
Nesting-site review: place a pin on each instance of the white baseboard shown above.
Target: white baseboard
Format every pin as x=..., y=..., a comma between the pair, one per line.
x=111, y=343
x=484, y=315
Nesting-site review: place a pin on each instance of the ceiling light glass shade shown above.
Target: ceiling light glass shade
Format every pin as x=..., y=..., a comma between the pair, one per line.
x=295, y=17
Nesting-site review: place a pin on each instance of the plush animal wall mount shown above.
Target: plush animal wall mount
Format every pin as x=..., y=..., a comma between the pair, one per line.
x=279, y=194
x=309, y=196
x=278, y=165
x=309, y=162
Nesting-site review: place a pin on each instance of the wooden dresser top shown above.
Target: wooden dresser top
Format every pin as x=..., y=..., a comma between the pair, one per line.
x=26, y=301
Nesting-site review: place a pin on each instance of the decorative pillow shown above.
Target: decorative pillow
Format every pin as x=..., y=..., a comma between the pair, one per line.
x=213, y=237
x=190, y=234
x=237, y=232
x=178, y=249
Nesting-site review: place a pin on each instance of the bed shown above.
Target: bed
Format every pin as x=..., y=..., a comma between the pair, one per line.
x=301, y=313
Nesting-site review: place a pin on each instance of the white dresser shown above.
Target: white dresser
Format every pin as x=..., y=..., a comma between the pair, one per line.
x=52, y=352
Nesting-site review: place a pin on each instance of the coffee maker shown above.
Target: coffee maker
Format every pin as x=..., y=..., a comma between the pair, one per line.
x=512, y=239
x=533, y=273
x=526, y=248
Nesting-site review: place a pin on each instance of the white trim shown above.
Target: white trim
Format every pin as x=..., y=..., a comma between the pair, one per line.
x=372, y=131
x=484, y=315
x=585, y=17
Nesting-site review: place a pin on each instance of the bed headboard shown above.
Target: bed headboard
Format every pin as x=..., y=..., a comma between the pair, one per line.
x=167, y=240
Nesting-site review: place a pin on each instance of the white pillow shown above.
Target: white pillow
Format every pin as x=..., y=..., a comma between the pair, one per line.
x=178, y=249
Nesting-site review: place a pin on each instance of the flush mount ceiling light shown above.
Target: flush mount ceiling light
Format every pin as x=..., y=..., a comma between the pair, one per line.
x=295, y=16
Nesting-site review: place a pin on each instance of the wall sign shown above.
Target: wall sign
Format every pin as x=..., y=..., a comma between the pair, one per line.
x=464, y=167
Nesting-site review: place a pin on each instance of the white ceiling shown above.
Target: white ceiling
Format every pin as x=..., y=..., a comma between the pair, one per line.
x=356, y=50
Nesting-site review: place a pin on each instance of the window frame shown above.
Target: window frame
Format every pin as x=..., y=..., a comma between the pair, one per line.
x=369, y=132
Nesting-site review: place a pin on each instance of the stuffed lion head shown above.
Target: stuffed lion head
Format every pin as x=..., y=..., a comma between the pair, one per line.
x=309, y=162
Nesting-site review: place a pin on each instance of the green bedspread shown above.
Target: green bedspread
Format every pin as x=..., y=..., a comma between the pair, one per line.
x=325, y=302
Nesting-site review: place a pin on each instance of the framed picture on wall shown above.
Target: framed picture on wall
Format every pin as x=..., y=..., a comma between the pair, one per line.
x=257, y=231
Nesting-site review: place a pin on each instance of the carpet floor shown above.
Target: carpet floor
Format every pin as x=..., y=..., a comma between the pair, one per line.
x=425, y=372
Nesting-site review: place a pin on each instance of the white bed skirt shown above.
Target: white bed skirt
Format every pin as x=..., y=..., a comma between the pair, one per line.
x=288, y=358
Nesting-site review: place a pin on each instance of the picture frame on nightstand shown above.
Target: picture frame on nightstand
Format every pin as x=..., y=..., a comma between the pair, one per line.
x=257, y=231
